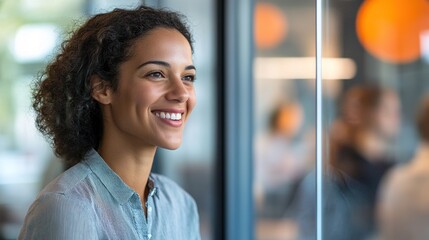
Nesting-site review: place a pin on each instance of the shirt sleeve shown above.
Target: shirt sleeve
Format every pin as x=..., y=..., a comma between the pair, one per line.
x=55, y=216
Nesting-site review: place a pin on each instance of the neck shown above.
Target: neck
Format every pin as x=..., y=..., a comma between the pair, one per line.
x=132, y=164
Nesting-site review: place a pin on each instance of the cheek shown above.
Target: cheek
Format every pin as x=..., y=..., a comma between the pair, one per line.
x=143, y=99
x=192, y=101
x=388, y=124
x=145, y=96
x=381, y=120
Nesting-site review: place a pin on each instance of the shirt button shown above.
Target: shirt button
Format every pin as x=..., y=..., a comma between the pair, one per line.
x=149, y=236
x=149, y=209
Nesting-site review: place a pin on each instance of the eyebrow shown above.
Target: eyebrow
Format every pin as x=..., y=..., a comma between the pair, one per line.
x=165, y=64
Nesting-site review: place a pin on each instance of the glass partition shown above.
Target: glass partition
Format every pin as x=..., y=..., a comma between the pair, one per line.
x=374, y=118
x=375, y=172
x=284, y=117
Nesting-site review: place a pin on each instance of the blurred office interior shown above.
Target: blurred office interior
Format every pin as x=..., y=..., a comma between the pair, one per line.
x=249, y=150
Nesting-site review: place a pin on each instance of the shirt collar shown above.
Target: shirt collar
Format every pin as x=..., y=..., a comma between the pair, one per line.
x=114, y=184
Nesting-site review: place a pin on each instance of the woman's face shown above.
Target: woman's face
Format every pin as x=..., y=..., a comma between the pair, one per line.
x=387, y=118
x=155, y=93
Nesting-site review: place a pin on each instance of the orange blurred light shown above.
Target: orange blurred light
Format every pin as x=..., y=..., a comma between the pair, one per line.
x=390, y=29
x=270, y=25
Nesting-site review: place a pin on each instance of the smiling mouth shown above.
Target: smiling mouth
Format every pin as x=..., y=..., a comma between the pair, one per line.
x=169, y=116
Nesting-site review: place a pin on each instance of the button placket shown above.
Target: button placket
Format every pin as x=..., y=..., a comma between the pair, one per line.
x=139, y=217
x=149, y=207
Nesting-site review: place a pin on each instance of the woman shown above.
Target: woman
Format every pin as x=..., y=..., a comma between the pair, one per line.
x=121, y=87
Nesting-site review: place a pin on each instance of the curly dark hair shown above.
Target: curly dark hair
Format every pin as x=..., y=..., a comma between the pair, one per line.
x=65, y=111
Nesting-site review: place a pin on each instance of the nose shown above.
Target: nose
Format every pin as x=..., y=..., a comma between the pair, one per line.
x=177, y=90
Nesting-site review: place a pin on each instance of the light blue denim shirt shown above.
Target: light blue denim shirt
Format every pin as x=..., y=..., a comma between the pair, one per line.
x=89, y=201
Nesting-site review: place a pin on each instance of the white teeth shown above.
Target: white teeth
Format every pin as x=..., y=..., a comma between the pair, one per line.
x=172, y=116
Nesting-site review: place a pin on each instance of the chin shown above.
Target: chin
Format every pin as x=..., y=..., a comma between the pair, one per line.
x=171, y=146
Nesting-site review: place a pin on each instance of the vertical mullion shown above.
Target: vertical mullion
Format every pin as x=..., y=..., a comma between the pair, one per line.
x=219, y=219
x=238, y=126
x=319, y=163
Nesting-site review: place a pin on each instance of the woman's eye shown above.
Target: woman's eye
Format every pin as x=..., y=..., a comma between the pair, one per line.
x=189, y=78
x=155, y=75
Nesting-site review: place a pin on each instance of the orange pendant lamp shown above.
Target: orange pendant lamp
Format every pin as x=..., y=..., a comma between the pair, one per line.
x=390, y=29
x=270, y=26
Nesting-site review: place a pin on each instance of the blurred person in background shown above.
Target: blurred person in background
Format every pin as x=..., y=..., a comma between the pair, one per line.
x=282, y=159
x=361, y=141
x=403, y=207
x=359, y=157
x=121, y=87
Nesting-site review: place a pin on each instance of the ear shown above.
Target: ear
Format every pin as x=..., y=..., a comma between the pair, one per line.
x=100, y=90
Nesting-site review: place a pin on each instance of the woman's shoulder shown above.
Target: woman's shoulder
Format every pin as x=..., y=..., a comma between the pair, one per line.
x=56, y=210
x=67, y=181
x=74, y=187
x=65, y=189
x=66, y=200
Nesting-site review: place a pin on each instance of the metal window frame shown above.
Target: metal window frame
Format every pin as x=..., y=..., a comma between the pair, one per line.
x=236, y=109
